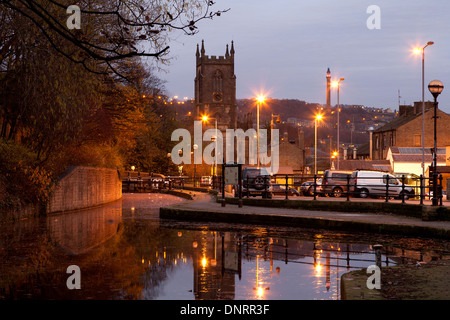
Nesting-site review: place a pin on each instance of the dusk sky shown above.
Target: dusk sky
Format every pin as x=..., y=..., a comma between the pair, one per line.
x=284, y=47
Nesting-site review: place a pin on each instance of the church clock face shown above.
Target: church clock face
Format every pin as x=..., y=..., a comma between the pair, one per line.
x=217, y=96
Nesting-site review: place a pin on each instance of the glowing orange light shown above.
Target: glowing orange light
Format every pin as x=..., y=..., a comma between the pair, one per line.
x=318, y=268
x=205, y=118
x=260, y=292
x=417, y=51
x=260, y=99
x=319, y=117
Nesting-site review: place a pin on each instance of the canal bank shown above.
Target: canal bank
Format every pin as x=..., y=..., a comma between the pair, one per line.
x=206, y=208
x=422, y=281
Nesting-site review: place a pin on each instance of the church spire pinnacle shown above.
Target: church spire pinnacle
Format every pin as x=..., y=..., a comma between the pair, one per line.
x=232, y=48
x=203, y=48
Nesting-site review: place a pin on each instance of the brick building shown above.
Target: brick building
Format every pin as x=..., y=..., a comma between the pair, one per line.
x=292, y=153
x=406, y=130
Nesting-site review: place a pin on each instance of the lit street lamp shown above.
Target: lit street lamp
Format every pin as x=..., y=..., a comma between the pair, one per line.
x=205, y=119
x=317, y=118
x=260, y=100
x=336, y=84
x=418, y=51
x=435, y=88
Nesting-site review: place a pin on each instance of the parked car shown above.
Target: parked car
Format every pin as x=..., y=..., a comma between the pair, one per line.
x=307, y=188
x=206, y=181
x=374, y=183
x=280, y=189
x=334, y=183
x=255, y=182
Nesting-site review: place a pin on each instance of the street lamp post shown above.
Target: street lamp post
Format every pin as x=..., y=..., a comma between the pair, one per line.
x=338, y=111
x=435, y=88
x=204, y=119
x=317, y=118
x=195, y=146
x=260, y=100
x=423, y=105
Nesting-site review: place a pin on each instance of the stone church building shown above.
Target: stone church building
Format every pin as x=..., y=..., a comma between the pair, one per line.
x=215, y=87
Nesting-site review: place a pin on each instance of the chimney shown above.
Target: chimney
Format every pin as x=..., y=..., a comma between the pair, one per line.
x=405, y=110
x=418, y=106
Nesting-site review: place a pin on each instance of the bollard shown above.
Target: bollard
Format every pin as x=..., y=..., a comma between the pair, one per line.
x=315, y=183
x=348, y=188
x=387, y=188
x=377, y=249
x=403, y=189
x=287, y=187
x=422, y=190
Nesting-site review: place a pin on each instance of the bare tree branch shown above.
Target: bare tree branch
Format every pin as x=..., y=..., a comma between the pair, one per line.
x=114, y=30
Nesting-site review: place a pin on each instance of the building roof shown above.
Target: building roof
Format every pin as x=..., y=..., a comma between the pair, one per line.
x=415, y=150
x=352, y=165
x=405, y=154
x=398, y=122
x=417, y=157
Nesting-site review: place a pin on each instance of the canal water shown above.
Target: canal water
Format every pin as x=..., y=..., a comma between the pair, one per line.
x=125, y=251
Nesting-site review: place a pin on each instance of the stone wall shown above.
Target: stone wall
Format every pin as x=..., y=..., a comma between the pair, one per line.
x=84, y=187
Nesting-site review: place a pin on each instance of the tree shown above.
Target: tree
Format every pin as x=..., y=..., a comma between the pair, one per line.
x=123, y=29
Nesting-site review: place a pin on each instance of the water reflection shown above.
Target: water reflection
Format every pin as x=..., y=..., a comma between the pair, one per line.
x=80, y=231
x=125, y=251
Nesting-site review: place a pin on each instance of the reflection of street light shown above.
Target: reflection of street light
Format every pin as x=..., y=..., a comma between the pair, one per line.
x=435, y=88
x=259, y=289
x=317, y=118
x=418, y=51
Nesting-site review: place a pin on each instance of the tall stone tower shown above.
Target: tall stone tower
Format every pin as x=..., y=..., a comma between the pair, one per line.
x=215, y=87
x=328, y=89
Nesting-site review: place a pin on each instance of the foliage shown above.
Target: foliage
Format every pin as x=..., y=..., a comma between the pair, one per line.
x=20, y=177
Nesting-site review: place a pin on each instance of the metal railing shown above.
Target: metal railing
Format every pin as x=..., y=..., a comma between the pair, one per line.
x=146, y=182
x=289, y=186
x=421, y=188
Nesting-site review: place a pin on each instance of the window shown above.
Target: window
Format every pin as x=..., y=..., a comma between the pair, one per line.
x=417, y=140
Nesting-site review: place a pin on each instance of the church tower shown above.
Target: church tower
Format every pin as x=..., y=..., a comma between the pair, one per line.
x=328, y=89
x=215, y=87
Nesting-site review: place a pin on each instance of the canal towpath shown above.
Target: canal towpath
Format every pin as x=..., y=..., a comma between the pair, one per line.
x=205, y=207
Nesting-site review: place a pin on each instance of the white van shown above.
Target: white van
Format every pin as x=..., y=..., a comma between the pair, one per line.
x=375, y=183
